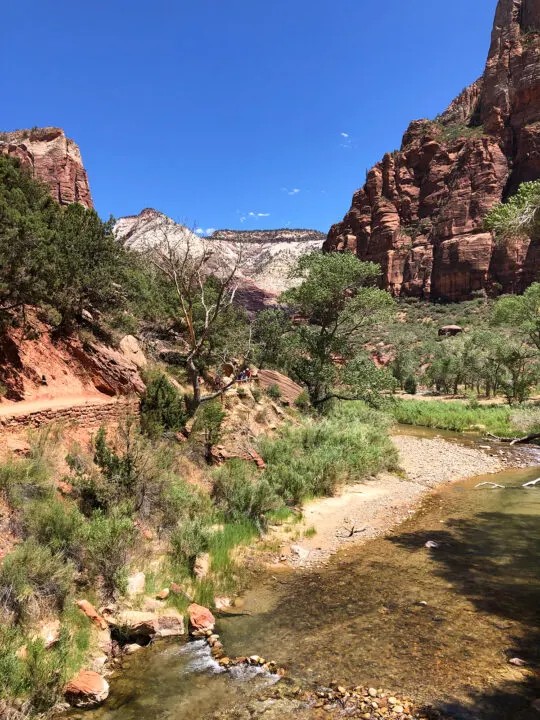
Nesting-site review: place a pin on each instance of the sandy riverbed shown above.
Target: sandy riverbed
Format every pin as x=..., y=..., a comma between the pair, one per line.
x=373, y=507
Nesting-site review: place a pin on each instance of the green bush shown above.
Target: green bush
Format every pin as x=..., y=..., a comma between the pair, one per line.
x=273, y=391
x=55, y=524
x=314, y=458
x=302, y=401
x=452, y=415
x=239, y=494
x=190, y=539
x=33, y=581
x=257, y=394
x=410, y=385
x=162, y=407
x=108, y=543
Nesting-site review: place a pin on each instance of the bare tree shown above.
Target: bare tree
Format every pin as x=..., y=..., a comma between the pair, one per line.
x=188, y=262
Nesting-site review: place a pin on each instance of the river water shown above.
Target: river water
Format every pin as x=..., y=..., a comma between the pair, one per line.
x=439, y=624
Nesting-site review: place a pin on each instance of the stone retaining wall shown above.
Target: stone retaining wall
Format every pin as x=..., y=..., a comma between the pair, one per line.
x=90, y=415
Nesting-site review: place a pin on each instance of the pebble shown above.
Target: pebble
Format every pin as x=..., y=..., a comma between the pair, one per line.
x=372, y=692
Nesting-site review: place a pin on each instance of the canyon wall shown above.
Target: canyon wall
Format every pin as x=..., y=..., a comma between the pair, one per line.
x=52, y=158
x=421, y=213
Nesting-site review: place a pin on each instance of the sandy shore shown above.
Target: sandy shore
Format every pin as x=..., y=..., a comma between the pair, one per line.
x=369, y=509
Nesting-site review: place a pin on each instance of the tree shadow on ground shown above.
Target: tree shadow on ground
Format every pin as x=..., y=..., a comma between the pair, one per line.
x=493, y=559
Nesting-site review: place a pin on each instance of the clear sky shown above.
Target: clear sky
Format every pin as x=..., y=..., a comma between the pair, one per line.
x=235, y=113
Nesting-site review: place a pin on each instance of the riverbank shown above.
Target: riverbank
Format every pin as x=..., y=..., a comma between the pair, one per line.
x=367, y=510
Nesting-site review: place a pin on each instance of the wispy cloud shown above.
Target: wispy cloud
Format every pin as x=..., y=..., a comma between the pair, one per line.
x=345, y=135
x=294, y=191
x=347, y=140
x=258, y=214
x=202, y=231
x=243, y=219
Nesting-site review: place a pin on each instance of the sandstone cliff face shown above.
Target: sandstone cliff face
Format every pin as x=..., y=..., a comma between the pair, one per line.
x=54, y=159
x=420, y=214
x=266, y=256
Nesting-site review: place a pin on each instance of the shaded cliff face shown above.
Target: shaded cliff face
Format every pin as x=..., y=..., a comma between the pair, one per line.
x=54, y=159
x=420, y=214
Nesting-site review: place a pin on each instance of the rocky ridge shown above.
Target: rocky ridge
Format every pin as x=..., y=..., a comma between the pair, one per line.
x=267, y=256
x=420, y=214
x=52, y=158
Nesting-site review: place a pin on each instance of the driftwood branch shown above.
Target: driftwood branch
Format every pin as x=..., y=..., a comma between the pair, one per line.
x=353, y=531
x=515, y=440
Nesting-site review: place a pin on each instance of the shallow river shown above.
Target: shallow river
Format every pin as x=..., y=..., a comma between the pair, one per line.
x=437, y=624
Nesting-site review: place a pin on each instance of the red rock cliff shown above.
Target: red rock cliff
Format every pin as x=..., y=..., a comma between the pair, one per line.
x=54, y=159
x=420, y=214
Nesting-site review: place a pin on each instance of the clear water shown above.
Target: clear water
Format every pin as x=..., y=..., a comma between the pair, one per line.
x=437, y=624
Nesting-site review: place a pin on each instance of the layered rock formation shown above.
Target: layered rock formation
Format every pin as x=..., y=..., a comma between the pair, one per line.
x=54, y=159
x=265, y=256
x=420, y=214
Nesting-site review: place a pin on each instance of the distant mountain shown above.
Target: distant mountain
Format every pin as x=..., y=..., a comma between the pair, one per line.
x=267, y=255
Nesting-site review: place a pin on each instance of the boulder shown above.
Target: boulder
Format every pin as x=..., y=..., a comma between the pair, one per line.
x=87, y=689
x=288, y=388
x=130, y=347
x=132, y=648
x=201, y=619
x=49, y=632
x=141, y=626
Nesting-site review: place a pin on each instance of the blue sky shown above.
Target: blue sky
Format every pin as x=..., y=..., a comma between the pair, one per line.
x=236, y=113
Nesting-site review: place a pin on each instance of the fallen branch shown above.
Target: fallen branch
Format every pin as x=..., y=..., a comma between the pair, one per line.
x=515, y=440
x=353, y=531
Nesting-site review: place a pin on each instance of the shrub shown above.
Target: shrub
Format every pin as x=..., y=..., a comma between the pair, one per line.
x=190, y=539
x=207, y=426
x=162, y=407
x=56, y=525
x=33, y=581
x=273, y=391
x=313, y=458
x=257, y=394
x=109, y=540
x=238, y=493
x=410, y=385
x=302, y=401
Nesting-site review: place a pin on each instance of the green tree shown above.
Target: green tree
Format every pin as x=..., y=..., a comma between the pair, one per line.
x=162, y=406
x=518, y=217
x=269, y=332
x=339, y=300
x=207, y=427
x=521, y=312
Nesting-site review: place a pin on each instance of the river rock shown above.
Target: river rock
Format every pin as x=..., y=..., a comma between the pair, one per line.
x=86, y=689
x=135, y=624
x=201, y=619
x=163, y=594
x=132, y=648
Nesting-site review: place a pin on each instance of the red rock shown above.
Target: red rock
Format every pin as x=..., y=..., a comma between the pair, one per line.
x=200, y=618
x=90, y=611
x=86, y=689
x=420, y=214
x=288, y=388
x=52, y=158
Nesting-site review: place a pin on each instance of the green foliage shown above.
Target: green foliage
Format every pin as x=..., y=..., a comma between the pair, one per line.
x=207, y=428
x=452, y=415
x=273, y=391
x=108, y=543
x=190, y=539
x=520, y=216
x=339, y=297
x=302, y=401
x=240, y=494
x=410, y=385
x=269, y=331
x=33, y=581
x=521, y=312
x=314, y=458
x=162, y=407
x=451, y=132
x=56, y=525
